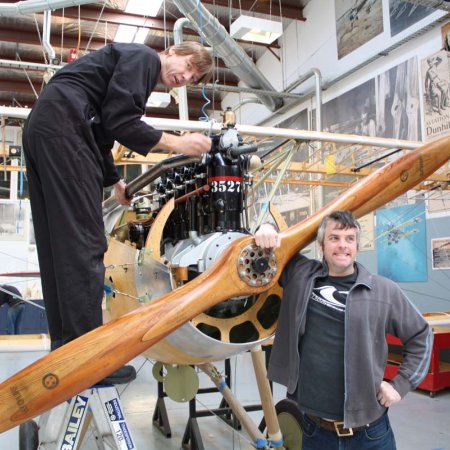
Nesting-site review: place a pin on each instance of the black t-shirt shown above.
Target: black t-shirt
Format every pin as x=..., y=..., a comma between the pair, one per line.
x=320, y=391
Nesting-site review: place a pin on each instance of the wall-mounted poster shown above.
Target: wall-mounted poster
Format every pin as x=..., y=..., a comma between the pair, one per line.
x=440, y=253
x=438, y=200
x=352, y=111
x=445, y=33
x=404, y=14
x=436, y=81
x=397, y=102
x=401, y=243
x=367, y=240
x=357, y=22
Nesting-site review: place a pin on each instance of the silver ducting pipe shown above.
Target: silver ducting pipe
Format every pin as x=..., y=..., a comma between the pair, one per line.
x=246, y=101
x=302, y=97
x=225, y=46
x=35, y=6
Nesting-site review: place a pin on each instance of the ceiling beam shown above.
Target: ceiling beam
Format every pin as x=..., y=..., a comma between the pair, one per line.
x=264, y=7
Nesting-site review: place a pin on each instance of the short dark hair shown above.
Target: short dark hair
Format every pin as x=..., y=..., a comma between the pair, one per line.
x=345, y=220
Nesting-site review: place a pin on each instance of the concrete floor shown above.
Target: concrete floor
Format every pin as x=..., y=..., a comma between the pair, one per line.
x=419, y=421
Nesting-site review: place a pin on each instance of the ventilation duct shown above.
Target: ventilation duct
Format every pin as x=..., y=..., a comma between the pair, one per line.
x=231, y=53
x=35, y=6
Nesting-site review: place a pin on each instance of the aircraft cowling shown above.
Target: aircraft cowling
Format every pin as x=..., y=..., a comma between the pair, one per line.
x=196, y=211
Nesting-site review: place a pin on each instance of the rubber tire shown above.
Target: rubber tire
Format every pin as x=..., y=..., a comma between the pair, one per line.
x=290, y=420
x=28, y=436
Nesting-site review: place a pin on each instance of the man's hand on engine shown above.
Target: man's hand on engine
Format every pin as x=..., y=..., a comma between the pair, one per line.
x=119, y=193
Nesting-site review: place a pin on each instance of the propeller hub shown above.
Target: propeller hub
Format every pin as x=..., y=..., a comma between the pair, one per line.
x=256, y=266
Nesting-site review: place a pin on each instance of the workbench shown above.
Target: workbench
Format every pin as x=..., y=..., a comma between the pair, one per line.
x=438, y=376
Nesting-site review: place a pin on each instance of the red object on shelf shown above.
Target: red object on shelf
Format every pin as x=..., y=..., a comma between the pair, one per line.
x=73, y=55
x=438, y=377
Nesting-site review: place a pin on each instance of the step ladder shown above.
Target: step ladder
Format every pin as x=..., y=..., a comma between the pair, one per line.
x=97, y=408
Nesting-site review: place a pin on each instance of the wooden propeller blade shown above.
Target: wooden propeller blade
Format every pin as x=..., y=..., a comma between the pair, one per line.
x=82, y=362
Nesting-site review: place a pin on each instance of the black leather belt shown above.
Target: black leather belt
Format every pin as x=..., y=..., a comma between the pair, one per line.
x=336, y=426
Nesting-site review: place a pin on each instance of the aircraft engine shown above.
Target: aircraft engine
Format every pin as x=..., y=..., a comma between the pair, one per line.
x=195, y=211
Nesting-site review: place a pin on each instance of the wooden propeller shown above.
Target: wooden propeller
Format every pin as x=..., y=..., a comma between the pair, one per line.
x=82, y=362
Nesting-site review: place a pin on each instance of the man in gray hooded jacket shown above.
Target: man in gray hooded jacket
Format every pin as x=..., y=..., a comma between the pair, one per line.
x=330, y=347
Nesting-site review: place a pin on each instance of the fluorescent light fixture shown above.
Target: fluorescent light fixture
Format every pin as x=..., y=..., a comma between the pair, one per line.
x=255, y=29
x=158, y=100
x=128, y=33
x=144, y=7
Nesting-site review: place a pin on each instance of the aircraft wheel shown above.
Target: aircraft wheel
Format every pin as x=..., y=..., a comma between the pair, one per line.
x=290, y=420
x=28, y=436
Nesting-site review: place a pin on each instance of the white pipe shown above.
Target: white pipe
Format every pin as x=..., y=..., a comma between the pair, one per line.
x=252, y=130
x=13, y=182
x=26, y=65
x=35, y=6
x=46, y=35
x=182, y=91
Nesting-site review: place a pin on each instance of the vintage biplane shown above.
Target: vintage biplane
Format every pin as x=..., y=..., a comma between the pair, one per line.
x=394, y=232
x=185, y=283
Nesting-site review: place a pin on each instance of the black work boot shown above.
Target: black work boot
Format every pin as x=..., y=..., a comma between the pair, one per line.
x=122, y=375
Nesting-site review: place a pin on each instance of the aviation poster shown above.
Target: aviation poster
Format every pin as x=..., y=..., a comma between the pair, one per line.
x=436, y=81
x=397, y=101
x=404, y=14
x=440, y=253
x=401, y=243
x=357, y=22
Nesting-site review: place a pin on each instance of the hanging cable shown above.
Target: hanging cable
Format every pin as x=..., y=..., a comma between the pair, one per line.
x=79, y=30
x=95, y=27
x=62, y=36
x=205, y=117
x=40, y=39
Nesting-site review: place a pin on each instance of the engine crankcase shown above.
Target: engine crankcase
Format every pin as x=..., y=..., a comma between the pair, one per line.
x=136, y=278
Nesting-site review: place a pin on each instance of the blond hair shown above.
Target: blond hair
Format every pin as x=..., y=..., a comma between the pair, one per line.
x=200, y=58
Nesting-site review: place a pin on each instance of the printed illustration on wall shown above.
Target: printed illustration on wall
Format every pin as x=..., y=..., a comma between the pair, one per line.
x=367, y=240
x=438, y=200
x=404, y=14
x=440, y=253
x=386, y=106
x=357, y=22
x=352, y=112
x=445, y=34
x=397, y=102
x=436, y=82
x=401, y=243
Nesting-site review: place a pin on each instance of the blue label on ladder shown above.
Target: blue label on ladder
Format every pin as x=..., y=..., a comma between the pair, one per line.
x=114, y=410
x=119, y=425
x=126, y=435
x=74, y=424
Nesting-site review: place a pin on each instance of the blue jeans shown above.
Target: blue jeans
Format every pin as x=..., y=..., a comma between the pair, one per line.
x=14, y=318
x=377, y=436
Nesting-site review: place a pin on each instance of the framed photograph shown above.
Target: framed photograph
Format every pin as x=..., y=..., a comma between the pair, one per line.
x=357, y=22
x=440, y=253
x=436, y=82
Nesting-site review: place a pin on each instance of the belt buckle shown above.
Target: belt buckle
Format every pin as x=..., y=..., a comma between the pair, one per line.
x=341, y=431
